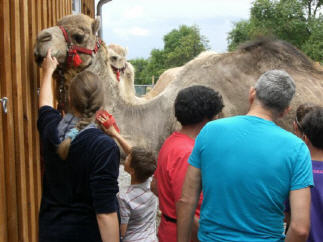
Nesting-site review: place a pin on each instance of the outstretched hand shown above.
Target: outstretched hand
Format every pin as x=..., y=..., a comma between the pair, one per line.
x=109, y=126
x=108, y=129
x=50, y=63
x=46, y=88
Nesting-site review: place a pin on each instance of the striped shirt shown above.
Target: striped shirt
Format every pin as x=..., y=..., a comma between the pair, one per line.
x=138, y=207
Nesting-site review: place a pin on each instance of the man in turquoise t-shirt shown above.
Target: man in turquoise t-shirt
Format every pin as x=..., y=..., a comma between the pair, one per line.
x=247, y=166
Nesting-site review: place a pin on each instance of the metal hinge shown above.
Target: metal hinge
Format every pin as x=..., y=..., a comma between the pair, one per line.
x=4, y=102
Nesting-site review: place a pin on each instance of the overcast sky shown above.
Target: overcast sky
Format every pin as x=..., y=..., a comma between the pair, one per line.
x=140, y=25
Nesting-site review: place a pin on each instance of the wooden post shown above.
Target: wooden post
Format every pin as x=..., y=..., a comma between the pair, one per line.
x=8, y=123
x=17, y=79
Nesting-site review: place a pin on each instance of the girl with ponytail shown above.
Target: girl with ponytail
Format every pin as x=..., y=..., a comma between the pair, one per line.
x=81, y=164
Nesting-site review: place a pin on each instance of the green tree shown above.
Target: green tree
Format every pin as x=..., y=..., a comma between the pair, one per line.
x=180, y=46
x=156, y=65
x=312, y=8
x=295, y=21
x=139, y=65
x=313, y=47
x=239, y=34
x=183, y=44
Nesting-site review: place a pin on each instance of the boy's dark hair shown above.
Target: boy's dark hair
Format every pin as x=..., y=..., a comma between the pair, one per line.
x=143, y=162
x=301, y=112
x=312, y=125
x=194, y=104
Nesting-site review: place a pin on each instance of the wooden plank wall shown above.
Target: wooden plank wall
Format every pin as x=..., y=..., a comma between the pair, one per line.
x=88, y=8
x=20, y=173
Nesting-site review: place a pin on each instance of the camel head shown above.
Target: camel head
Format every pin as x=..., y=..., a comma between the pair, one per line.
x=117, y=58
x=80, y=33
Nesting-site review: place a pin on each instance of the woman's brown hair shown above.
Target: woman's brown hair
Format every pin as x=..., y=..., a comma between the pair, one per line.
x=86, y=97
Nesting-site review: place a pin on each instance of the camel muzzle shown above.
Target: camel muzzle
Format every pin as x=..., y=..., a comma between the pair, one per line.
x=39, y=59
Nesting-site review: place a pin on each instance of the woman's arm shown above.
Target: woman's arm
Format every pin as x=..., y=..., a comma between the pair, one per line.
x=46, y=87
x=109, y=226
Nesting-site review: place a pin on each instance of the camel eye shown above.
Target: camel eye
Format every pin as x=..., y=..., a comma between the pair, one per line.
x=114, y=58
x=78, y=38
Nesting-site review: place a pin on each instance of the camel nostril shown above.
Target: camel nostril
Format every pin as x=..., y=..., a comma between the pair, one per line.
x=45, y=37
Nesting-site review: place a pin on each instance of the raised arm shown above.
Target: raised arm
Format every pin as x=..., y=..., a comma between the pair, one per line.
x=185, y=207
x=46, y=87
x=123, y=142
x=113, y=133
x=300, y=202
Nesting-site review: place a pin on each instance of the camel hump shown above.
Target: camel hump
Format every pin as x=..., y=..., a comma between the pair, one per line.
x=273, y=50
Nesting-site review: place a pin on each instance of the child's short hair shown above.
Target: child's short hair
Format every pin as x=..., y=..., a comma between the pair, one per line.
x=301, y=112
x=194, y=104
x=143, y=162
x=313, y=127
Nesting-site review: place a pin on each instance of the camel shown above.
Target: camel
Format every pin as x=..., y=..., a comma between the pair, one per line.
x=124, y=72
x=232, y=74
x=165, y=78
x=169, y=75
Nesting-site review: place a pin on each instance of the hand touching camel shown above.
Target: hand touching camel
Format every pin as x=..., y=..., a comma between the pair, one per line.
x=46, y=88
x=109, y=126
x=49, y=64
x=105, y=123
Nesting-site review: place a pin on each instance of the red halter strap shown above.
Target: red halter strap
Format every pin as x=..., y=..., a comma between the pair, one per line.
x=117, y=71
x=73, y=50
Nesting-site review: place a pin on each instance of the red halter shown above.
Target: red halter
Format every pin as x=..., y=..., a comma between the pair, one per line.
x=73, y=50
x=117, y=71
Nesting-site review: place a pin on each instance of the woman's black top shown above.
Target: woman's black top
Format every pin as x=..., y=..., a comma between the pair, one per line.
x=78, y=188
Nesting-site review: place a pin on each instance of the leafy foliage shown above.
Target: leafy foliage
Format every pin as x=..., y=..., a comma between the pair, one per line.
x=140, y=65
x=313, y=47
x=295, y=21
x=180, y=46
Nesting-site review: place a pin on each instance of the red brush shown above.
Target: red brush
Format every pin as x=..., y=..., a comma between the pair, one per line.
x=109, y=122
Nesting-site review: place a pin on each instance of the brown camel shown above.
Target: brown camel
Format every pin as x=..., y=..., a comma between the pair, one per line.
x=232, y=74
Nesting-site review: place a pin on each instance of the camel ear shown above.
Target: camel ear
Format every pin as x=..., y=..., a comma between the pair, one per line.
x=96, y=25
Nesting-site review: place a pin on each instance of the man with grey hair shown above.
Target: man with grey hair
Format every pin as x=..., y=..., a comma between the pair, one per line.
x=247, y=166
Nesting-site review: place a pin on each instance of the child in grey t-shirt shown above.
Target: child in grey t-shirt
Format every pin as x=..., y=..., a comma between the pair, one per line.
x=138, y=205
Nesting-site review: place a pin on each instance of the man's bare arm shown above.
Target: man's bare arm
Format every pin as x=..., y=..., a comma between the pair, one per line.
x=195, y=229
x=186, y=206
x=300, y=203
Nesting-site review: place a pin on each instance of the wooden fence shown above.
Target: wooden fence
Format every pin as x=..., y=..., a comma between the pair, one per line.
x=20, y=173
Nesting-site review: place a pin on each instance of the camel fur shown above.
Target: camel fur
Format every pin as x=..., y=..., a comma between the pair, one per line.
x=149, y=122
